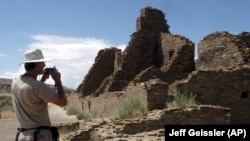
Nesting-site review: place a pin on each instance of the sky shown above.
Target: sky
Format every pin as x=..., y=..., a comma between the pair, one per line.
x=73, y=31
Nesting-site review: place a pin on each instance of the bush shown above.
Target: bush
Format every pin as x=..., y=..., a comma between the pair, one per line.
x=183, y=100
x=79, y=115
x=94, y=136
x=71, y=111
x=5, y=101
x=132, y=108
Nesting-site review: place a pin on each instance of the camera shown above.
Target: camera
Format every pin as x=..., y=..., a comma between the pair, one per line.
x=48, y=71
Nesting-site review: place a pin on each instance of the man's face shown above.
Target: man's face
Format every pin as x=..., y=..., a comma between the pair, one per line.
x=40, y=67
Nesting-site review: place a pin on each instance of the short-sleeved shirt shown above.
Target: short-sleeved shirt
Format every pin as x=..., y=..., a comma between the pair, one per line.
x=30, y=100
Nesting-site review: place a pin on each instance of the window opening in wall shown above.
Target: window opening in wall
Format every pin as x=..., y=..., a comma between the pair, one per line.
x=245, y=94
x=170, y=53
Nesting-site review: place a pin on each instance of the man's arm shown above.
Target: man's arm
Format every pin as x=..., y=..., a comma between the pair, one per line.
x=60, y=99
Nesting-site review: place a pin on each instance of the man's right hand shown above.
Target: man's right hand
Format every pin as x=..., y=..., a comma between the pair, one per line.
x=56, y=75
x=61, y=98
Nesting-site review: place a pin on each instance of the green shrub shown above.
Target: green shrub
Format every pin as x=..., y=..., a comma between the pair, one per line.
x=183, y=100
x=79, y=115
x=94, y=136
x=71, y=111
x=132, y=108
x=5, y=101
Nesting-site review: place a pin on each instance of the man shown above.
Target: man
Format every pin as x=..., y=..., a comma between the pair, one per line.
x=30, y=99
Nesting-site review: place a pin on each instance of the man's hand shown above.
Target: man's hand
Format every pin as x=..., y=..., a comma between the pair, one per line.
x=61, y=98
x=56, y=75
x=44, y=77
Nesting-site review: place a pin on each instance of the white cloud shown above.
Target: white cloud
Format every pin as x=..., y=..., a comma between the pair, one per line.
x=73, y=57
x=3, y=55
x=10, y=75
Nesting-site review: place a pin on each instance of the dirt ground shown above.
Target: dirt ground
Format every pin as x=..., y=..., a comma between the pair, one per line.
x=8, y=127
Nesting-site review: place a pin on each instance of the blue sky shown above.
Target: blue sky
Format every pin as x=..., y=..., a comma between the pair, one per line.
x=73, y=31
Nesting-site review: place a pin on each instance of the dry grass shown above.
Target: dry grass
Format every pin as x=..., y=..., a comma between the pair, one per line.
x=132, y=107
x=5, y=94
x=182, y=100
x=7, y=114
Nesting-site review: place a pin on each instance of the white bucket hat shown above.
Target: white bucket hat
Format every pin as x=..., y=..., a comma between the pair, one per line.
x=36, y=55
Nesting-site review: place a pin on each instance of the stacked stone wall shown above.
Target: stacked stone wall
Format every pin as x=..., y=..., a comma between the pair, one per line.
x=151, y=127
x=156, y=65
x=5, y=86
x=141, y=53
x=75, y=101
x=152, y=19
x=156, y=94
x=178, y=57
x=222, y=50
x=152, y=93
x=225, y=88
x=103, y=67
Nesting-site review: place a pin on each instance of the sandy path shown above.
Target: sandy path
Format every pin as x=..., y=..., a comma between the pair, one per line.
x=58, y=115
x=8, y=126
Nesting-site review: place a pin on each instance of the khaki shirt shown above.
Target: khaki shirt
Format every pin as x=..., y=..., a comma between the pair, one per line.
x=30, y=100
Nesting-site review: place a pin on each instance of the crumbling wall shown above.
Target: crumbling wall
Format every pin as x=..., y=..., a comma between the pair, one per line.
x=222, y=50
x=151, y=127
x=156, y=65
x=152, y=93
x=153, y=20
x=104, y=65
x=178, y=57
x=5, y=86
x=142, y=50
x=141, y=53
x=225, y=88
x=222, y=76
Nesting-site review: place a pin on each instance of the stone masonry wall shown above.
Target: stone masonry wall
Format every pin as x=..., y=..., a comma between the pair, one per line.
x=141, y=53
x=105, y=105
x=151, y=127
x=222, y=50
x=152, y=19
x=156, y=65
x=225, y=88
x=156, y=94
x=5, y=86
x=178, y=57
x=153, y=93
x=103, y=67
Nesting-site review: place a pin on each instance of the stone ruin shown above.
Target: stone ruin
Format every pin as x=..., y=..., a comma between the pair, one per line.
x=222, y=75
x=152, y=53
x=5, y=85
x=157, y=64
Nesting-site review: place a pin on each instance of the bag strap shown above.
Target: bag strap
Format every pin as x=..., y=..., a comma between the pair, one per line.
x=52, y=129
x=18, y=132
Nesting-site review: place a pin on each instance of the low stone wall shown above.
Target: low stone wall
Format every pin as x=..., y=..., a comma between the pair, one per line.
x=153, y=94
x=152, y=126
x=70, y=127
x=74, y=101
x=105, y=105
x=5, y=86
x=224, y=88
